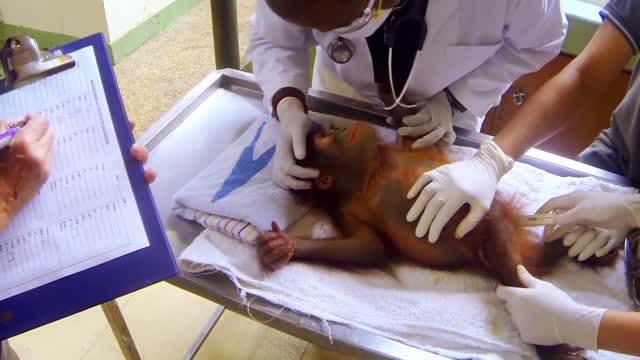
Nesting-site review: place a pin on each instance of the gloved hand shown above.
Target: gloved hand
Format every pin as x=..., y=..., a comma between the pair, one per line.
x=592, y=209
x=445, y=190
x=545, y=315
x=294, y=125
x=586, y=242
x=434, y=122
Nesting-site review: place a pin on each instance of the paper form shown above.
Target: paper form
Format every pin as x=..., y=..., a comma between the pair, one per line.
x=86, y=213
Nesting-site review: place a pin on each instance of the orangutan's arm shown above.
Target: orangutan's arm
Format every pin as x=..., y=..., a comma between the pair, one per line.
x=360, y=245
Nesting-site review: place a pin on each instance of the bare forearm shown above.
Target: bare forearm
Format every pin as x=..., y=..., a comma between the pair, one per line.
x=543, y=115
x=620, y=332
x=580, y=83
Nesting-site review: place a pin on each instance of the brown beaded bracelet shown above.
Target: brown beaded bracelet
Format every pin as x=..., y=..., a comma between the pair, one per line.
x=286, y=92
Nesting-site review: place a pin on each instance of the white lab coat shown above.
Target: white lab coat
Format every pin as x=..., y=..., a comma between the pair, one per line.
x=476, y=48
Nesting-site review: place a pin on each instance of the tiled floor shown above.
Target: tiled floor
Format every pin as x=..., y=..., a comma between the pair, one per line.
x=164, y=320
x=171, y=63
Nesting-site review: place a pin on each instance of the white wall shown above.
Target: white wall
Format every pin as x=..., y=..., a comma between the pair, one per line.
x=70, y=17
x=124, y=15
x=80, y=18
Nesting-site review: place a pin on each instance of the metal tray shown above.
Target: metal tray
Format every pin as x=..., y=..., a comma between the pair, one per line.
x=206, y=110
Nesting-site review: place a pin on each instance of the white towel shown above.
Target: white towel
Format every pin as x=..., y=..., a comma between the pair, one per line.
x=238, y=185
x=235, y=192
x=233, y=228
x=452, y=313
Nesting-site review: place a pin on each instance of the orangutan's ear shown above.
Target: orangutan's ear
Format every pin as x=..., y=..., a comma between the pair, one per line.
x=324, y=182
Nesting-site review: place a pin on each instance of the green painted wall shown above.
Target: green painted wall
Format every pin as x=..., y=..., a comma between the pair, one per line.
x=118, y=49
x=132, y=40
x=46, y=40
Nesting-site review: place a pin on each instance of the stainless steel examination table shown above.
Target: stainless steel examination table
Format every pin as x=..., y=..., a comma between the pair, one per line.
x=182, y=144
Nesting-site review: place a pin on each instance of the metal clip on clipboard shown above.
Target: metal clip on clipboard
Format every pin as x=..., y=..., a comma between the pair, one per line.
x=23, y=62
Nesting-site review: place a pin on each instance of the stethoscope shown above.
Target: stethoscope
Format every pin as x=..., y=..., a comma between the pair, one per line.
x=341, y=50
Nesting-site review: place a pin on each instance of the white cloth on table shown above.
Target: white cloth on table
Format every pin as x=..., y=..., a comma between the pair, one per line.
x=235, y=194
x=7, y=352
x=237, y=185
x=452, y=313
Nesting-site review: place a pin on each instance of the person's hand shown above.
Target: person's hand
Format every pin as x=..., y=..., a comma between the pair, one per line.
x=24, y=165
x=141, y=153
x=586, y=242
x=432, y=123
x=545, y=315
x=275, y=248
x=445, y=190
x=592, y=209
x=294, y=126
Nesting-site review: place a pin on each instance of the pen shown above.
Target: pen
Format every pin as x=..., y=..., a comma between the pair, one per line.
x=7, y=136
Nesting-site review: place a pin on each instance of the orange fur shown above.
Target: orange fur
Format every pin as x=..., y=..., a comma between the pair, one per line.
x=497, y=244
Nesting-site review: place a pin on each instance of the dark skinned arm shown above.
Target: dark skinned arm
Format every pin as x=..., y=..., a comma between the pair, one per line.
x=581, y=82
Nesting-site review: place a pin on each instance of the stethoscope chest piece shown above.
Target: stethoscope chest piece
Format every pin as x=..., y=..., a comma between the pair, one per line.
x=341, y=50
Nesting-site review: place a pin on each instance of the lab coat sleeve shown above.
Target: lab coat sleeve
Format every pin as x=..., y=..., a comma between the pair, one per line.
x=533, y=35
x=279, y=52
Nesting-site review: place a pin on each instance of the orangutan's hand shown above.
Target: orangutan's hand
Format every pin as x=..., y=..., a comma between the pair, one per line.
x=275, y=248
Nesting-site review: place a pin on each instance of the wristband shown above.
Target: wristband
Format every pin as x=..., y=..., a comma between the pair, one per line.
x=286, y=92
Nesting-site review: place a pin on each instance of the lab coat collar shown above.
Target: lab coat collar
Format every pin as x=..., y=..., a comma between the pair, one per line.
x=438, y=14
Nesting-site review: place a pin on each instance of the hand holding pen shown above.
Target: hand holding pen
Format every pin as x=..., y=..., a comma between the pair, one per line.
x=24, y=166
x=7, y=136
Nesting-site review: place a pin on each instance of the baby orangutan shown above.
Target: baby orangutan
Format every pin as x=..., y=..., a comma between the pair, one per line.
x=363, y=185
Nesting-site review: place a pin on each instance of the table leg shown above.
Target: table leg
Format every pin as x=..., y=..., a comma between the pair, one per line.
x=120, y=330
x=225, y=34
x=204, y=333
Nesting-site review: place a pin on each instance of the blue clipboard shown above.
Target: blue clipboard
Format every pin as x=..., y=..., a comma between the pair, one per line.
x=113, y=279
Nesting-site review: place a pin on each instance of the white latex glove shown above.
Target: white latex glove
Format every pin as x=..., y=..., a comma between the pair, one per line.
x=586, y=242
x=545, y=315
x=294, y=126
x=434, y=122
x=592, y=209
x=445, y=190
